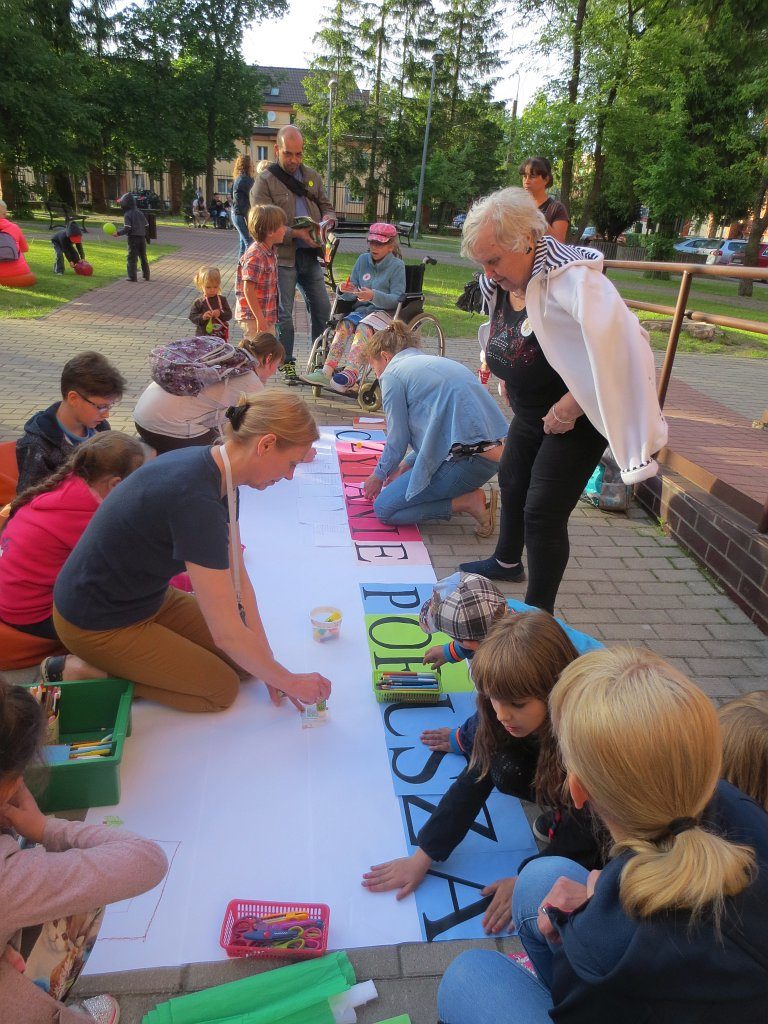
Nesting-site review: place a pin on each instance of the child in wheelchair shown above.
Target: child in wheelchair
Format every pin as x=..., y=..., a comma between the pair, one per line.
x=368, y=295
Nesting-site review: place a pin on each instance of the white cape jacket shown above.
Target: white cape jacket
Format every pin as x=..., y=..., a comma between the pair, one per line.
x=598, y=347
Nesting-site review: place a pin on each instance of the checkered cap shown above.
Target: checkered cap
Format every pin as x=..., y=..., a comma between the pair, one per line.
x=467, y=612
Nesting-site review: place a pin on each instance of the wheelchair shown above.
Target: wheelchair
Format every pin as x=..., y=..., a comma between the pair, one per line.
x=410, y=310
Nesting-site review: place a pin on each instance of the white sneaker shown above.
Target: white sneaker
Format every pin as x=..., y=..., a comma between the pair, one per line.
x=103, y=1009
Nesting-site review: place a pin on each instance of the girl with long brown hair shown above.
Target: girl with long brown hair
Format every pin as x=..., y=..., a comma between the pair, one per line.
x=45, y=523
x=513, y=750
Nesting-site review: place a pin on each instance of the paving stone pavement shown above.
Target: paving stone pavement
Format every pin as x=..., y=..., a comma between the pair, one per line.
x=626, y=581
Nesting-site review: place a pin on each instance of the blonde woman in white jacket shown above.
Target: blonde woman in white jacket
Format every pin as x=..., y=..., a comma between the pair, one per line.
x=579, y=375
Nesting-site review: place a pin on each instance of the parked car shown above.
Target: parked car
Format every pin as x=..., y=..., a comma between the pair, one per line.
x=728, y=248
x=697, y=245
x=458, y=220
x=762, y=257
x=588, y=233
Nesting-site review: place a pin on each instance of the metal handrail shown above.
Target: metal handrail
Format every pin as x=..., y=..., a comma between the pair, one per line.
x=679, y=312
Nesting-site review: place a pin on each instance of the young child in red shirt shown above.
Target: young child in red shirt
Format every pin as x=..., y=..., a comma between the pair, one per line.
x=256, y=283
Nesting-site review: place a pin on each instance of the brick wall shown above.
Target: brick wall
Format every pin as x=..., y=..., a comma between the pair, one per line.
x=723, y=541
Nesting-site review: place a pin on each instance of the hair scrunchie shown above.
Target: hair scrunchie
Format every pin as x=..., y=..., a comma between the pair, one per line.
x=236, y=414
x=676, y=826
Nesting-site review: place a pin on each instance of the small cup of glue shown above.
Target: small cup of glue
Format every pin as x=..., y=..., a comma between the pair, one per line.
x=326, y=623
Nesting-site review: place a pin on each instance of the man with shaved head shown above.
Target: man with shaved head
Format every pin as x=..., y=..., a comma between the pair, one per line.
x=298, y=190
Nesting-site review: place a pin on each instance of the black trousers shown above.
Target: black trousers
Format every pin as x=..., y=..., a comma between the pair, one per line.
x=541, y=477
x=163, y=443
x=58, y=262
x=137, y=250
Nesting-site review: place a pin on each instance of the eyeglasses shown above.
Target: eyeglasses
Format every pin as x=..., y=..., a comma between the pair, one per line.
x=100, y=408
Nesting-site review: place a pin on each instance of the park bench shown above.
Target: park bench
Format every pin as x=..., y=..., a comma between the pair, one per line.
x=64, y=211
x=352, y=228
x=405, y=230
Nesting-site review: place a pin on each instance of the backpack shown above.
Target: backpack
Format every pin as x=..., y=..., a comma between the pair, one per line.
x=9, y=250
x=188, y=366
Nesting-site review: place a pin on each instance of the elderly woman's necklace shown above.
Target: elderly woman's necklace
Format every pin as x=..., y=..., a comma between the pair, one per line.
x=525, y=326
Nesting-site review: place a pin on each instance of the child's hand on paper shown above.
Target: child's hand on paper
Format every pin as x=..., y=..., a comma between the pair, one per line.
x=405, y=874
x=437, y=739
x=22, y=814
x=498, y=916
x=435, y=657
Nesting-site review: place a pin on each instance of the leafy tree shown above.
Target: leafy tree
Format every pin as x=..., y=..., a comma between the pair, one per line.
x=337, y=57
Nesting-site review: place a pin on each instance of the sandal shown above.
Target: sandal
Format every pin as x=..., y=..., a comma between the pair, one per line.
x=491, y=508
x=51, y=669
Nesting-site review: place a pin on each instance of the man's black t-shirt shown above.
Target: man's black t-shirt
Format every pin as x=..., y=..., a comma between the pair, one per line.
x=513, y=354
x=169, y=512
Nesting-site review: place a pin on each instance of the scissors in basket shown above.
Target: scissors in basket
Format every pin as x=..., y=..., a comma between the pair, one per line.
x=303, y=938
x=295, y=937
x=241, y=928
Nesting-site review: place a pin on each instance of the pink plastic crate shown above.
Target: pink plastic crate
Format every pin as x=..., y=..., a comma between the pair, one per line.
x=238, y=909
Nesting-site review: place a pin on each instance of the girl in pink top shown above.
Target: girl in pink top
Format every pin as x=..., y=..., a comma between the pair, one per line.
x=44, y=525
x=54, y=891
x=15, y=273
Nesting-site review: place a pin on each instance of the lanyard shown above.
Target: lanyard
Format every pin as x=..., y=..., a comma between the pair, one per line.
x=234, y=530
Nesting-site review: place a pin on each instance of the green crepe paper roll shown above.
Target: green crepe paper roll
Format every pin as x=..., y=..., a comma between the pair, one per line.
x=109, y=229
x=297, y=994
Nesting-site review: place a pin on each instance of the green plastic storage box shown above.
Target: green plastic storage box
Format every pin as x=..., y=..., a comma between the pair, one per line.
x=89, y=709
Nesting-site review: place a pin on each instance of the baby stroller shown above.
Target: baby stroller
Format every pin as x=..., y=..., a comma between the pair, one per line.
x=410, y=309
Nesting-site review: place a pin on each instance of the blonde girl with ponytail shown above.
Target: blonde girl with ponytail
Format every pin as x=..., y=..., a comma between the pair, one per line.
x=674, y=927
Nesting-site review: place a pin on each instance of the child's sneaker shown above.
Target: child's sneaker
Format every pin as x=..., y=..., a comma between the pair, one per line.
x=343, y=381
x=288, y=370
x=103, y=1009
x=318, y=377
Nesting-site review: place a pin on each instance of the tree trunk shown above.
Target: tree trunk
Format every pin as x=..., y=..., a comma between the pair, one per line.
x=175, y=178
x=62, y=186
x=7, y=186
x=569, y=150
x=759, y=224
x=599, y=159
x=98, y=188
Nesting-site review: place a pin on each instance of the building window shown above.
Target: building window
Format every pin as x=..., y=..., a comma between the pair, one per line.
x=274, y=91
x=223, y=185
x=353, y=196
x=262, y=153
x=138, y=182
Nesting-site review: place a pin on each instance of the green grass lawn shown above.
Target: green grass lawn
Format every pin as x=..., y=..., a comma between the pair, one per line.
x=53, y=290
x=445, y=282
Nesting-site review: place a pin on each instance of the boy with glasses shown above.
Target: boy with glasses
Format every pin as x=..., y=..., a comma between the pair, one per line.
x=90, y=387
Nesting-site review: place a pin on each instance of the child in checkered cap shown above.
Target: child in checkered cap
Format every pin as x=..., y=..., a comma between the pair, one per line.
x=464, y=606
x=509, y=741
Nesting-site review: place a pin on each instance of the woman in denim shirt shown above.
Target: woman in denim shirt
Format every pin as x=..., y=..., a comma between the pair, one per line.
x=438, y=409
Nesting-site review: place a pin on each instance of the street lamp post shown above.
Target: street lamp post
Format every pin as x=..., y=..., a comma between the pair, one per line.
x=331, y=86
x=437, y=56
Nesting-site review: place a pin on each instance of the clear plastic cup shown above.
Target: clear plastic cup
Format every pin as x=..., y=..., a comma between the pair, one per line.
x=326, y=623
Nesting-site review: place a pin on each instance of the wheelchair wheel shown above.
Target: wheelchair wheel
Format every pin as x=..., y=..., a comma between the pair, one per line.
x=429, y=333
x=369, y=396
x=319, y=350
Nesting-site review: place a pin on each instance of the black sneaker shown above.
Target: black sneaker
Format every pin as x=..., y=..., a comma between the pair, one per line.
x=491, y=569
x=288, y=370
x=544, y=826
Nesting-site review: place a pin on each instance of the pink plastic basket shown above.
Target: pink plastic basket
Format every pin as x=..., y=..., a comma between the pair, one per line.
x=238, y=909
